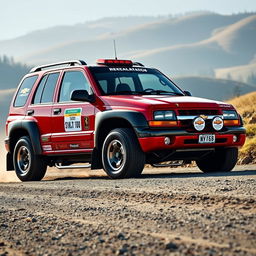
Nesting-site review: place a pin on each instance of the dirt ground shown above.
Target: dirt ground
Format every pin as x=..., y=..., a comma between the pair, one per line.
x=174, y=211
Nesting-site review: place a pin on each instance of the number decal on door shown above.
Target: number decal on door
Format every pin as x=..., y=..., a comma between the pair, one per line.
x=72, y=119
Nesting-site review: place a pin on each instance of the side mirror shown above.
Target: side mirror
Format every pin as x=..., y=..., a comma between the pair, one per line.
x=82, y=95
x=187, y=93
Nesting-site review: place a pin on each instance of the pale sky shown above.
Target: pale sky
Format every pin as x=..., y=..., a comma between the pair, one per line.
x=18, y=17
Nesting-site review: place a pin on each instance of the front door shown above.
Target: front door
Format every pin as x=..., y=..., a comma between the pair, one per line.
x=73, y=122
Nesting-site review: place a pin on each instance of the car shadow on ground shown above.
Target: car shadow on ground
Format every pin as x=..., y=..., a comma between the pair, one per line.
x=165, y=175
x=198, y=174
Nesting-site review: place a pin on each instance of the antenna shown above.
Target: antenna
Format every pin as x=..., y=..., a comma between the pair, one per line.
x=114, y=41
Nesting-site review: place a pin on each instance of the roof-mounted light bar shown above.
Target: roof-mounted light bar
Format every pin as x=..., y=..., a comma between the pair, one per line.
x=69, y=63
x=114, y=62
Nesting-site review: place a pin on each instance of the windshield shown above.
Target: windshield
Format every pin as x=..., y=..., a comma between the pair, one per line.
x=143, y=81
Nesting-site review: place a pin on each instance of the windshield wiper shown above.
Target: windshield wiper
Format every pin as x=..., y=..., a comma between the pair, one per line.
x=125, y=93
x=158, y=92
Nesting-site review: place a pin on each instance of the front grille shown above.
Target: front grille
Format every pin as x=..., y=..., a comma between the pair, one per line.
x=198, y=112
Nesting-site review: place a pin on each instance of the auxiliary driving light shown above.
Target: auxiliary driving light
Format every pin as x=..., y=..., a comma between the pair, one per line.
x=199, y=123
x=217, y=123
x=235, y=138
x=167, y=141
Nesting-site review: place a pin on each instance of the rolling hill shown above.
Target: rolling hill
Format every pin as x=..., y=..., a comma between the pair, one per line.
x=153, y=37
x=239, y=73
x=233, y=45
x=211, y=88
x=59, y=35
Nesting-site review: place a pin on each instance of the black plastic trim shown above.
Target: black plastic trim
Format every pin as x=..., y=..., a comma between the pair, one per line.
x=136, y=119
x=31, y=128
x=142, y=133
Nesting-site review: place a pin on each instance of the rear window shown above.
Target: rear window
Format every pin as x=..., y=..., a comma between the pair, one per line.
x=24, y=91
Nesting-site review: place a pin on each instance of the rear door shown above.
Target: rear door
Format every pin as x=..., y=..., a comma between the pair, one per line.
x=73, y=122
x=41, y=107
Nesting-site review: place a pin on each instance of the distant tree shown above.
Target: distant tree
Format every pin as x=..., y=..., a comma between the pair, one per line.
x=229, y=77
x=251, y=79
x=11, y=72
x=237, y=91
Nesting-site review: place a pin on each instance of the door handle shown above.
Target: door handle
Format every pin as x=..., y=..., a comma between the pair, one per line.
x=30, y=112
x=56, y=111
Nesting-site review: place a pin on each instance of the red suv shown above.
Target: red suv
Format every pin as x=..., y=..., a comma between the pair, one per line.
x=116, y=115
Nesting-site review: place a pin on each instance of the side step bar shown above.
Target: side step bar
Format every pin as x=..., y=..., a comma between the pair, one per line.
x=59, y=166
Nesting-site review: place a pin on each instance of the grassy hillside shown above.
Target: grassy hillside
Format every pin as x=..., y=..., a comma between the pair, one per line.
x=246, y=106
x=217, y=89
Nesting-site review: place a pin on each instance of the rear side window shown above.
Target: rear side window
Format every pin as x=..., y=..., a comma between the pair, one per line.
x=45, y=90
x=24, y=91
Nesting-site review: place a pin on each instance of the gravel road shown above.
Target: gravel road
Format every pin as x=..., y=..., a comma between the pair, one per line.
x=178, y=211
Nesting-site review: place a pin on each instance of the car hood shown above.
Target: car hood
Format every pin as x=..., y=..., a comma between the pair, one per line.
x=162, y=101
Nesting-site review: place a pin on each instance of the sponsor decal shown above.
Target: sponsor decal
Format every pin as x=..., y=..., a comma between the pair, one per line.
x=72, y=119
x=74, y=145
x=129, y=69
x=24, y=92
x=199, y=123
x=47, y=147
x=86, y=123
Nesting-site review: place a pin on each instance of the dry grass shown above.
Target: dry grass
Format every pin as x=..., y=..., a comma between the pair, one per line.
x=246, y=106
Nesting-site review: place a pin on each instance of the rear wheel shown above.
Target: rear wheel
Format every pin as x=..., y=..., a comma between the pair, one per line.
x=122, y=156
x=28, y=166
x=222, y=160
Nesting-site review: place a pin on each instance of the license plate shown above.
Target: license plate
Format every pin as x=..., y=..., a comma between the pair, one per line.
x=206, y=138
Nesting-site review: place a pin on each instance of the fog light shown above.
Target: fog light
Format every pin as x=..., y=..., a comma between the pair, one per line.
x=234, y=138
x=167, y=141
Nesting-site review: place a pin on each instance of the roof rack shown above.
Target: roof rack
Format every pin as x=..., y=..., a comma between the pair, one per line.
x=138, y=64
x=70, y=63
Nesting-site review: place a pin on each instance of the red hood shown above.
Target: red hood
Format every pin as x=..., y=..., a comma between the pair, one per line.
x=160, y=101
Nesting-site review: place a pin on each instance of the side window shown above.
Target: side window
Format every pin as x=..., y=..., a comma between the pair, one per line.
x=72, y=80
x=45, y=89
x=47, y=96
x=40, y=87
x=24, y=91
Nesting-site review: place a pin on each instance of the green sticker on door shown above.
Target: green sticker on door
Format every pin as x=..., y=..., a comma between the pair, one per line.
x=72, y=119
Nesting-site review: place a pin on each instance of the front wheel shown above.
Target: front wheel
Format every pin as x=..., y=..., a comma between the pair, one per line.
x=28, y=166
x=122, y=156
x=222, y=160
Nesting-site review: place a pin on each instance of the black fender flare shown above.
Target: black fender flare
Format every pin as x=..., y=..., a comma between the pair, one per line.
x=134, y=118
x=31, y=128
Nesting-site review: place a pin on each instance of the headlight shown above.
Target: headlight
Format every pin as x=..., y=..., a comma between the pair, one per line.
x=164, y=115
x=230, y=118
x=229, y=115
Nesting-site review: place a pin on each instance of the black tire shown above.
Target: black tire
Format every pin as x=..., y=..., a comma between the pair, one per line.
x=222, y=160
x=28, y=166
x=122, y=156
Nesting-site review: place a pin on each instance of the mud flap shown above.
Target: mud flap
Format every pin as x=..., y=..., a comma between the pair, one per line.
x=96, y=160
x=9, y=162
